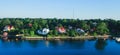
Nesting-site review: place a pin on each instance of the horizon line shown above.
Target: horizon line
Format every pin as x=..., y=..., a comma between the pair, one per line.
x=57, y=18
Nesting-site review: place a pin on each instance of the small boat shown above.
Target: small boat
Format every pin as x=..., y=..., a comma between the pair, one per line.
x=117, y=39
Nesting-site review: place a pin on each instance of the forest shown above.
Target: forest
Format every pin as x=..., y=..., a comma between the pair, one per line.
x=59, y=27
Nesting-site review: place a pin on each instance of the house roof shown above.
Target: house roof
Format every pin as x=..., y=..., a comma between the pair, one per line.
x=44, y=31
x=61, y=29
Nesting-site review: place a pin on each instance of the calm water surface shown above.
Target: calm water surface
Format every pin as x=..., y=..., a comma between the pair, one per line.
x=41, y=47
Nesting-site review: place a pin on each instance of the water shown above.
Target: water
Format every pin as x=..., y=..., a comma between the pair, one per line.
x=41, y=47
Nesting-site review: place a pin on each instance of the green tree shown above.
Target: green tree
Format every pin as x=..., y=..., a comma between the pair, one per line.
x=102, y=28
x=5, y=22
x=72, y=33
x=18, y=24
x=35, y=26
x=55, y=32
x=84, y=25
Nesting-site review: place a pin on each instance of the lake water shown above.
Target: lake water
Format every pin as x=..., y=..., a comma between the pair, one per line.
x=68, y=47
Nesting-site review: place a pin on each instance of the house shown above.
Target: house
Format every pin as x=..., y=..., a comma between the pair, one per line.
x=70, y=27
x=94, y=23
x=61, y=30
x=44, y=31
x=93, y=29
x=80, y=30
x=8, y=28
x=30, y=25
x=5, y=34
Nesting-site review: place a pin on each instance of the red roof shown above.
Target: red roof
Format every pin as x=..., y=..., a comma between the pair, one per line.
x=61, y=29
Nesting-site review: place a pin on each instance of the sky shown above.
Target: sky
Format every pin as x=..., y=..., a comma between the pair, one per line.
x=82, y=9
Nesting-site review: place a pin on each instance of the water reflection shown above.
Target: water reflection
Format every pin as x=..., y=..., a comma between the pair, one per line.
x=117, y=42
x=77, y=44
x=59, y=47
x=33, y=43
x=11, y=43
x=100, y=44
x=5, y=44
x=56, y=43
x=18, y=44
x=47, y=43
x=68, y=44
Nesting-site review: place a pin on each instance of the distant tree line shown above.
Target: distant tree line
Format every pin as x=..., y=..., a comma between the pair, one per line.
x=29, y=26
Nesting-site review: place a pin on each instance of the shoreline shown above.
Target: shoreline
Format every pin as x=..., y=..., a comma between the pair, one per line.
x=60, y=37
x=64, y=38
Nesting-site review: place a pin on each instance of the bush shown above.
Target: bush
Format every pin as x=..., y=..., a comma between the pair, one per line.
x=32, y=33
x=94, y=34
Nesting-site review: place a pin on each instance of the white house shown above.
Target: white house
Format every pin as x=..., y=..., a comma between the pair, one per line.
x=8, y=28
x=80, y=30
x=44, y=31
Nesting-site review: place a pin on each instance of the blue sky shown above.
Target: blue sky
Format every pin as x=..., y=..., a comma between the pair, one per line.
x=83, y=9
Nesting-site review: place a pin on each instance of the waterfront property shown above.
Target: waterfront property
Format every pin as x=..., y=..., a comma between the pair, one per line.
x=56, y=27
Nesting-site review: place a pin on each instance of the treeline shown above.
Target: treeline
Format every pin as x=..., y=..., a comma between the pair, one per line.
x=29, y=26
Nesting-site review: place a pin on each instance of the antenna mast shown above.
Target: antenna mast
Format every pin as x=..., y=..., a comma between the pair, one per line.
x=73, y=13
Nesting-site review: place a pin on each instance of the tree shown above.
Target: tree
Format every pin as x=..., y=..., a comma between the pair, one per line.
x=35, y=26
x=72, y=33
x=43, y=22
x=92, y=26
x=102, y=28
x=55, y=32
x=5, y=22
x=18, y=24
x=84, y=25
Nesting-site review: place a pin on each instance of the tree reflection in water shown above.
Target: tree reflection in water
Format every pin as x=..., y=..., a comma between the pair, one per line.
x=65, y=44
x=10, y=43
x=54, y=43
x=33, y=43
x=74, y=44
x=100, y=44
x=18, y=43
